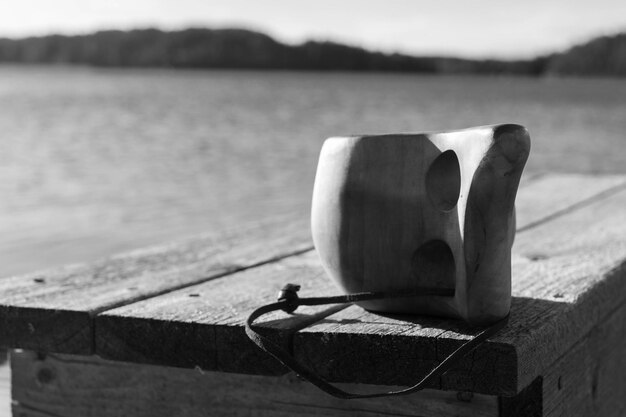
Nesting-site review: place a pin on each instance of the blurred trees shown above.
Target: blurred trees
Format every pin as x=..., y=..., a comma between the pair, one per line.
x=599, y=57
x=236, y=48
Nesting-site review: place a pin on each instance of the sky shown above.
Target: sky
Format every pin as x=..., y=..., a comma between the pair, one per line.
x=468, y=28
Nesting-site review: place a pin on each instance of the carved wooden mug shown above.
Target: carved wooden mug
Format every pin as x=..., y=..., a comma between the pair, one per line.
x=407, y=211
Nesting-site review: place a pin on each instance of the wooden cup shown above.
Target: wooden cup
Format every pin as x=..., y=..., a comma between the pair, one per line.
x=399, y=212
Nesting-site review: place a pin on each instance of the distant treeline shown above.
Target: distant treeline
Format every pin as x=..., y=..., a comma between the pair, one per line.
x=243, y=49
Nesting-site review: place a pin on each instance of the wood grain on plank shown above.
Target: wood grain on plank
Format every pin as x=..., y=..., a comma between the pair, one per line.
x=542, y=197
x=68, y=385
x=590, y=380
x=53, y=310
x=561, y=270
x=528, y=403
x=568, y=274
x=201, y=326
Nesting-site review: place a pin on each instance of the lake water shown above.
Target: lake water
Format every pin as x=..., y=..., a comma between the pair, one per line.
x=96, y=161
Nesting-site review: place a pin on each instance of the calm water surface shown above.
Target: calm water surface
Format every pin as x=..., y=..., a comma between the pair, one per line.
x=94, y=162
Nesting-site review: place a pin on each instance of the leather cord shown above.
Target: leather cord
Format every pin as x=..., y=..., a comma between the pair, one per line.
x=289, y=301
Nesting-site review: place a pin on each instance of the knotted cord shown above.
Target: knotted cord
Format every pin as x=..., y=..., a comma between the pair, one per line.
x=289, y=301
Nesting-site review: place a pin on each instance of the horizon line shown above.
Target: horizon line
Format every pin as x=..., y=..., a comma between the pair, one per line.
x=250, y=28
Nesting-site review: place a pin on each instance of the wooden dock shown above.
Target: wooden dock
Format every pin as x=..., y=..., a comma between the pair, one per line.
x=159, y=332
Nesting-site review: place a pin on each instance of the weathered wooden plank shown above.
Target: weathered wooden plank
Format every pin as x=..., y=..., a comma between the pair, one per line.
x=567, y=275
x=528, y=403
x=541, y=198
x=68, y=385
x=552, y=285
x=201, y=326
x=590, y=380
x=53, y=310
